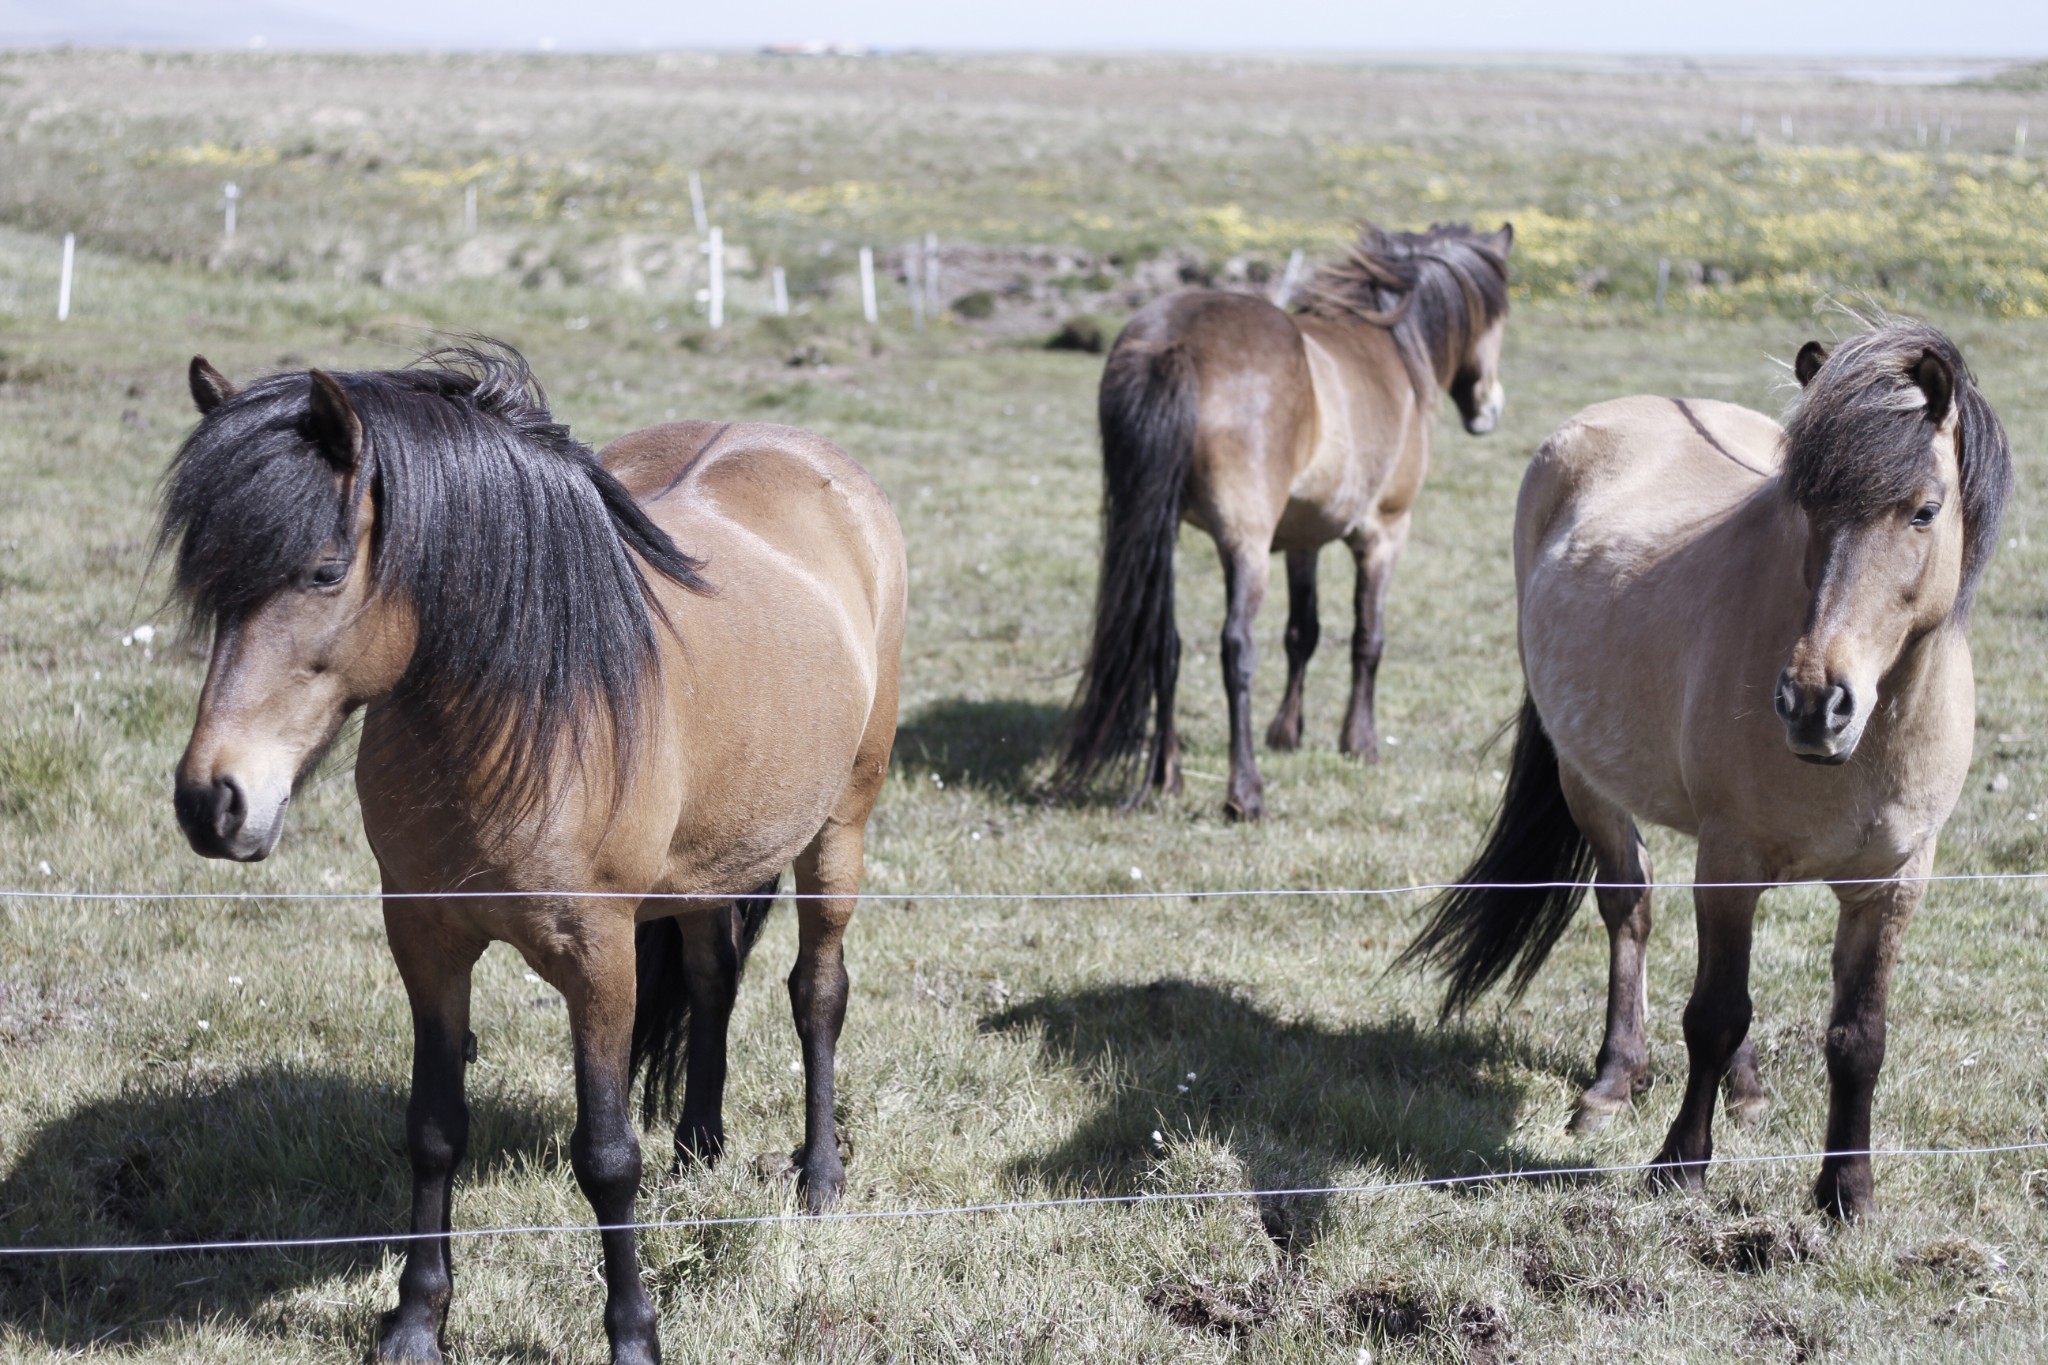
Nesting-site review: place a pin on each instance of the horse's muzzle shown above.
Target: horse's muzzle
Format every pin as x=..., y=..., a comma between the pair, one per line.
x=1822, y=724
x=215, y=818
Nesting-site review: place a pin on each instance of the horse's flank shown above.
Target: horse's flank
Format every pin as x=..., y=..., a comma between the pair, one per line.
x=1633, y=536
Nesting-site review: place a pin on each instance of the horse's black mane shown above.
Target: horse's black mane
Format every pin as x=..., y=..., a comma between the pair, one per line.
x=520, y=553
x=1435, y=291
x=1859, y=443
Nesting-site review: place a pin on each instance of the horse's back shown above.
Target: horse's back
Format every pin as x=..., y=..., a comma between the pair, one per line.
x=786, y=491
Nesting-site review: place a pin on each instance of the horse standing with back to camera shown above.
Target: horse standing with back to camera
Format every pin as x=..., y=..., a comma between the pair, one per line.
x=578, y=739
x=1273, y=431
x=1754, y=636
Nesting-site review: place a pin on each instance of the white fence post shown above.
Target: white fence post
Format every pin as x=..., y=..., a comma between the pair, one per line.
x=469, y=208
x=64, y=279
x=1289, y=278
x=781, y=283
x=913, y=263
x=697, y=205
x=867, y=283
x=233, y=194
x=716, y=248
x=931, y=273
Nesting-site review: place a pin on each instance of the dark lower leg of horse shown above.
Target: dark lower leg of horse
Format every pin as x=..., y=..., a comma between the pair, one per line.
x=1623, y=1069
x=605, y=1154
x=817, y=999
x=1244, y=587
x=1360, y=737
x=711, y=967
x=597, y=981
x=1867, y=940
x=1743, y=1097
x=436, y=1135
x=1716, y=1021
x=1163, y=772
x=1303, y=630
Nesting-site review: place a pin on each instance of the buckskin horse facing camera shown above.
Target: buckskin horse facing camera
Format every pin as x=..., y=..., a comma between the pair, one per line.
x=1756, y=637
x=1274, y=431
x=584, y=741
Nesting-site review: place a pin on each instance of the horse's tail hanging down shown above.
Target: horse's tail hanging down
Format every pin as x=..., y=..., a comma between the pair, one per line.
x=1147, y=414
x=661, y=1014
x=1518, y=896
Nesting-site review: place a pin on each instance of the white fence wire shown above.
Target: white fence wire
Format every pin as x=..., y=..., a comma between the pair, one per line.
x=1007, y=1206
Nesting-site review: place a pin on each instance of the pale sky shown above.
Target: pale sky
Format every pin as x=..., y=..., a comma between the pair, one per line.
x=2010, y=29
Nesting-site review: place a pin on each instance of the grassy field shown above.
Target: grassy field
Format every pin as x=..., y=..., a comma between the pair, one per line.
x=214, y=1069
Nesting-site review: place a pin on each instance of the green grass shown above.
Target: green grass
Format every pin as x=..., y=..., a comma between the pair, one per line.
x=994, y=1050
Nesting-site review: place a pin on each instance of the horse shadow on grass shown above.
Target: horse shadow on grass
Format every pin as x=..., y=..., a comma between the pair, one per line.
x=274, y=1152
x=994, y=746
x=1296, y=1104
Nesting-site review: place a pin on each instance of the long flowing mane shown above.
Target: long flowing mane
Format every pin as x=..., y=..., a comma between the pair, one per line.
x=1857, y=443
x=521, y=555
x=1435, y=291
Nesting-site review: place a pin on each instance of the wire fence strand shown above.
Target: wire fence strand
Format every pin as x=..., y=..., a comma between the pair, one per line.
x=1006, y=1206
x=1274, y=892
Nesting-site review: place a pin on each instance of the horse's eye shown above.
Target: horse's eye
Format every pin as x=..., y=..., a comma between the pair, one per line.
x=327, y=573
x=1926, y=514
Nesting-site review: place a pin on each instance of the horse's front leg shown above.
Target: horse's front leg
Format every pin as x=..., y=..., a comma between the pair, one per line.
x=1868, y=935
x=1304, y=628
x=1245, y=570
x=1716, y=1021
x=1377, y=549
x=828, y=877
x=593, y=967
x=434, y=963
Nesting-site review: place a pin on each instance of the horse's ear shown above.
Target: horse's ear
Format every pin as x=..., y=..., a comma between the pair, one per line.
x=1807, y=364
x=210, y=388
x=1938, y=382
x=333, y=424
x=1504, y=240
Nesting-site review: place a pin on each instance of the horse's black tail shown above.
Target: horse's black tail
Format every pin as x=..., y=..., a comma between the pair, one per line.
x=1147, y=413
x=1518, y=896
x=661, y=1012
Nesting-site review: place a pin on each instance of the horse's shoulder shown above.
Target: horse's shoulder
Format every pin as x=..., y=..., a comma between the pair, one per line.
x=725, y=456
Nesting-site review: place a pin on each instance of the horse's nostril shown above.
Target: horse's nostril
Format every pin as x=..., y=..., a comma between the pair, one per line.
x=1841, y=704
x=1786, y=700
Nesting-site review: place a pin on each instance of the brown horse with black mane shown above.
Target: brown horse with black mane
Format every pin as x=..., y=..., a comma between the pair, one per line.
x=1756, y=637
x=577, y=739
x=1274, y=431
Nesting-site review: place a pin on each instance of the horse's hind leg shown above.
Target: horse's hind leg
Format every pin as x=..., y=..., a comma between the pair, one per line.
x=1303, y=629
x=1868, y=935
x=1164, y=766
x=434, y=963
x=1245, y=570
x=1377, y=549
x=1622, y=865
x=714, y=950
x=827, y=882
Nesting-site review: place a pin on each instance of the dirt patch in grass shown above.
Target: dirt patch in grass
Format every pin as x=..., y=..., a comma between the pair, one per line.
x=1393, y=1310
x=1225, y=1310
x=1781, y=1329
x=1610, y=1293
x=1755, y=1246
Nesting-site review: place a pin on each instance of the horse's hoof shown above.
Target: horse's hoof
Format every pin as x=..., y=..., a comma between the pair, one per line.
x=1747, y=1111
x=1594, y=1113
x=407, y=1343
x=1847, y=1197
x=1247, y=807
x=1669, y=1175
x=697, y=1146
x=1284, y=739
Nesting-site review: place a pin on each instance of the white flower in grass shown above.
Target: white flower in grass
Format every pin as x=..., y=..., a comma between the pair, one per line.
x=1136, y=875
x=1158, y=1138
x=44, y=868
x=204, y=1025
